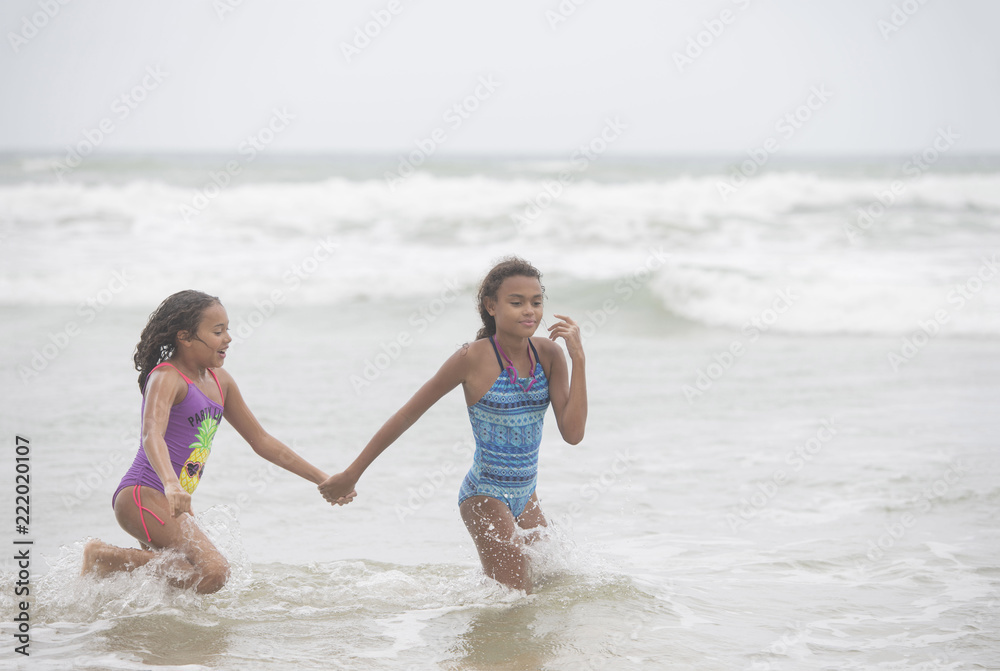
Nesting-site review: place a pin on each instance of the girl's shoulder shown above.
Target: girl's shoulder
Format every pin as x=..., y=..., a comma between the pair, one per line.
x=226, y=380
x=165, y=373
x=545, y=346
x=482, y=344
x=470, y=352
x=222, y=374
x=549, y=353
x=165, y=380
x=475, y=354
x=463, y=362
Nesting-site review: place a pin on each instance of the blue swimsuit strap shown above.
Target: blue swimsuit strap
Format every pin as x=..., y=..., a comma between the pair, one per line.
x=497, y=353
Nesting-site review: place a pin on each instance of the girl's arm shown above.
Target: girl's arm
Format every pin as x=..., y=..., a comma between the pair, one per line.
x=238, y=414
x=450, y=375
x=164, y=389
x=569, y=399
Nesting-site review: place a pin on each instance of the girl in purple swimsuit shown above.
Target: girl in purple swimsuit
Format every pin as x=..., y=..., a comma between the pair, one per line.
x=185, y=395
x=509, y=379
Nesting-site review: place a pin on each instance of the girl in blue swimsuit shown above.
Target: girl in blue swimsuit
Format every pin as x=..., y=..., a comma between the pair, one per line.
x=509, y=379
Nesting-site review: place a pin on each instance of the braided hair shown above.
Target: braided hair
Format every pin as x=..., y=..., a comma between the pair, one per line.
x=181, y=311
x=510, y=266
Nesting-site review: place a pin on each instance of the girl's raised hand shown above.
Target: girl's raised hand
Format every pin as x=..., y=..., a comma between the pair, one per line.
x=570, y=332
x=338, y=489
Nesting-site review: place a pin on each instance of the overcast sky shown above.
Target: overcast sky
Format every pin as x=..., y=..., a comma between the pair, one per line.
x=527, y=78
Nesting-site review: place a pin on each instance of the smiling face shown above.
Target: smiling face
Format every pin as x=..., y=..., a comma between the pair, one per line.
x=518, y=306
x=209, y=343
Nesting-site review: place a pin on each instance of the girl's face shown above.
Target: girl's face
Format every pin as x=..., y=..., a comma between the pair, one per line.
x=518, y=306
x=210, y=342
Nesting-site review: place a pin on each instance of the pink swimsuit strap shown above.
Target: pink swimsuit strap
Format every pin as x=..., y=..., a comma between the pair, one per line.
x=188, y=380
x=137, y=497
x=511, y=369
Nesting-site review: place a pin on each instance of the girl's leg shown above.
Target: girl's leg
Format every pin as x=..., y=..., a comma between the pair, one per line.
x=200, y=565
x=532, y=518
x=104, y=559
x=493, y=527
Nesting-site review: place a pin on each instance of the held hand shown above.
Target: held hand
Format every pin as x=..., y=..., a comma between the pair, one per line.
x=178, y=500
x=570, y=332
x=338, y=489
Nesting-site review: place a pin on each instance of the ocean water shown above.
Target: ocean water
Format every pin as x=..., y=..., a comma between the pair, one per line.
x=790, y=463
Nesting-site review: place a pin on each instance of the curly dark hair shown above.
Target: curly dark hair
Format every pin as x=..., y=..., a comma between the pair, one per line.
x=179, y=312
x=510, y=266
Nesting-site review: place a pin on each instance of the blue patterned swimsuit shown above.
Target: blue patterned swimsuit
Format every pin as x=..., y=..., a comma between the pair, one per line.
x=507, y=425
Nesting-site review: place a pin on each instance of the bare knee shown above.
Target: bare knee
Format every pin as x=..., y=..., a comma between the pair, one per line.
x=213, y=576
x=510, y=570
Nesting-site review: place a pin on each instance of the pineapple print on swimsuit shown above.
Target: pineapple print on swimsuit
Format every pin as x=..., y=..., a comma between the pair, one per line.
x=193, y=468
x=188, y=435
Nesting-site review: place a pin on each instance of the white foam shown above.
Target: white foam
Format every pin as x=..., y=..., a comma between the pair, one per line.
x=61, y=243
